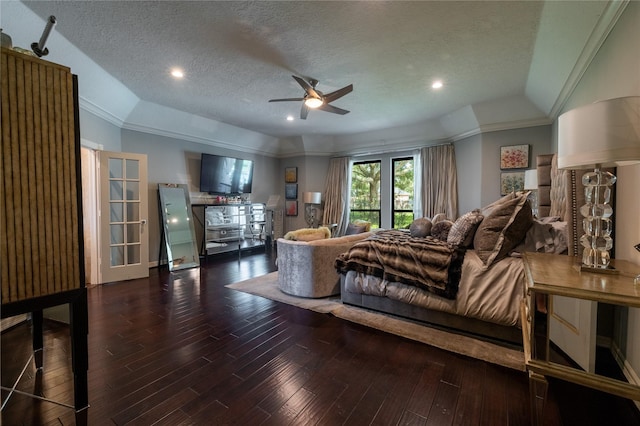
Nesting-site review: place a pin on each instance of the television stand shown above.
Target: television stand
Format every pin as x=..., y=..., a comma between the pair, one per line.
x=230, y=227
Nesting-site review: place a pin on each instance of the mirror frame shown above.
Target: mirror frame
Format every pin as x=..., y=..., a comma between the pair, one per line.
x=189, y=257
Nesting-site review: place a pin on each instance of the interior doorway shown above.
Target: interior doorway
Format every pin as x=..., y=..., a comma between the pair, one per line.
x=90, y=213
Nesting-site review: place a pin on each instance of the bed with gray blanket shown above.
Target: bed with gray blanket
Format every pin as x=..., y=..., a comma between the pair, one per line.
x=461, y=293
x=475, y=286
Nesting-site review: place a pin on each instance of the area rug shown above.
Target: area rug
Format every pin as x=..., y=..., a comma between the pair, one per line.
x=267, y=286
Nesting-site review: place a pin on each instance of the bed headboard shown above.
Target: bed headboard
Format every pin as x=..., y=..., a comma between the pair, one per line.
x=560, y=193
x=543, y=167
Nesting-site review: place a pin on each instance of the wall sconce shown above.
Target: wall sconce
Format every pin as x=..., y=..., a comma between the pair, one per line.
x=531, y=184
x=311, y=200
x=602, y=134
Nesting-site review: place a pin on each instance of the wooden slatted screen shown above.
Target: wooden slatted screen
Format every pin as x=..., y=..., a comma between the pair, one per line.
x=39, y=226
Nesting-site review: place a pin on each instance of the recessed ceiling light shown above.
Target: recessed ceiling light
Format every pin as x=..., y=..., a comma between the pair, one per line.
x=289, y=117
x=177, y=73
x=437, y=84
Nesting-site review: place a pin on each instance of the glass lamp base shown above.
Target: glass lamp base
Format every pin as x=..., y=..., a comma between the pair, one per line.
x=597, y=224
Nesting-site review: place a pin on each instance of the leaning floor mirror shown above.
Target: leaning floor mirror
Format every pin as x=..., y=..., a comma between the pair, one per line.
x=179, y=232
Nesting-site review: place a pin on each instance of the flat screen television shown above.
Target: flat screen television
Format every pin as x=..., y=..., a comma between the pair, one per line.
x=225, y=175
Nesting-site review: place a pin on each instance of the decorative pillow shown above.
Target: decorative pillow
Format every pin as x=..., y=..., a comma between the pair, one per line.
x=421, y=227
x=464, y=229
x=353, y=229
x=308, y=234
x=438, y=218
x=544, y=238
x=503, y=228
x=441, y=229
x=486, y=210
x=365, y=223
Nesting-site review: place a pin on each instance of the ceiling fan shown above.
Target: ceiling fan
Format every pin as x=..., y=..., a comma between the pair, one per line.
x=315, y=99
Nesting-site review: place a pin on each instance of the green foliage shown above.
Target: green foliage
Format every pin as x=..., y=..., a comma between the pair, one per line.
x=372, y=217
x=402, y=220
x=365, y=192
x=365, y=186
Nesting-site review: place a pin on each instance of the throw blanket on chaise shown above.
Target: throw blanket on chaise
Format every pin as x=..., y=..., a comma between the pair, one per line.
x=395, y=255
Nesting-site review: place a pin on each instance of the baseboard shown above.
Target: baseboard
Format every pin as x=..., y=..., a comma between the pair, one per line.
x=7, y=323
x=604, y=342
x=626, y=368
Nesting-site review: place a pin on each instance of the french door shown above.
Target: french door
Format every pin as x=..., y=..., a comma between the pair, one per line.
x=123, y=229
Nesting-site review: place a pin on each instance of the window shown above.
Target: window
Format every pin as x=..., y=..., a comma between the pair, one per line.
x=382, y=190
x=402, y=193
x=365, y=192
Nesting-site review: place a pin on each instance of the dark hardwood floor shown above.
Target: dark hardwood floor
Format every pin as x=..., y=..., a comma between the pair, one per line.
x=181, y=349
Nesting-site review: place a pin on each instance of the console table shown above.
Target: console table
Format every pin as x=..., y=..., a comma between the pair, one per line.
x=233, y=227
x=550, y=274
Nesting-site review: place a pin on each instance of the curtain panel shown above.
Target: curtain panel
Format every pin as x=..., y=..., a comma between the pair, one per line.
x=439, y=181
x=336, y=204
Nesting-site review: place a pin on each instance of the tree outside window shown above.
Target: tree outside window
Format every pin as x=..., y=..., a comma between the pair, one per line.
x=365, y=192
x=403, y=192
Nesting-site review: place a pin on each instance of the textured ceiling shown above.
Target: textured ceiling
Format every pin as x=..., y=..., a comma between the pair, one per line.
x=238, y=55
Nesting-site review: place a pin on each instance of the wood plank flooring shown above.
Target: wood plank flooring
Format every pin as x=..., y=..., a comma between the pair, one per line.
x=181, y=349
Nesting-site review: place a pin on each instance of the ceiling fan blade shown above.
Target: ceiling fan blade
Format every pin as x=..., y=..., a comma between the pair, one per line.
x=330, y=108
x=330, y=97
x=306, y=86
x=286, y=100
x=304, y=111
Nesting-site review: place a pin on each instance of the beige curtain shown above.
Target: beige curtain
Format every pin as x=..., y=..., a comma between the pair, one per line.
x=439, y=192
x=336, y=198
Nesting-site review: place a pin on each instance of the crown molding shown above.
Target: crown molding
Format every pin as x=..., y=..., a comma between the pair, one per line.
x=371, y=147
x=100, y=112
x=600, y=32
x=196, y=139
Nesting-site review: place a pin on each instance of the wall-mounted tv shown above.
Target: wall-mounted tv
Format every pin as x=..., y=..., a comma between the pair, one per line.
x=225, y=175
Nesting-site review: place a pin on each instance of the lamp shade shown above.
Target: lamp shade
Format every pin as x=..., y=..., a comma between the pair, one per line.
x=312, y=197
x=605, y=133
x=531, y=179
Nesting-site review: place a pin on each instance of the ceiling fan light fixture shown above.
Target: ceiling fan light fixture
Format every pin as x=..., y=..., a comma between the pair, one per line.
x=313, y=102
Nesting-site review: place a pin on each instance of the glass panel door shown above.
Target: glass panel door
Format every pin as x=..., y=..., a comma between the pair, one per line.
x=124, y=237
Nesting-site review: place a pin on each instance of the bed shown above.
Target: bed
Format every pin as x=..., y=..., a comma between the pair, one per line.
x=478, y=288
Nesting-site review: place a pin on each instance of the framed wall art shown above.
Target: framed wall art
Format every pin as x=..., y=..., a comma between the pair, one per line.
x=291, y=174
x=514, y=157
x=511, y=181
x=291, y=207
x=291, y=191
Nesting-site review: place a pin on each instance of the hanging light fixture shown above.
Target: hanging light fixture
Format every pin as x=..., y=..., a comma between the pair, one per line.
x=313, y=102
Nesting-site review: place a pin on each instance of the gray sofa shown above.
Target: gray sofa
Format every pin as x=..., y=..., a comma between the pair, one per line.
x=306, y=269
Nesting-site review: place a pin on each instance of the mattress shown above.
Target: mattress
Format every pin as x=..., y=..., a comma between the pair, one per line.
x=489, y=294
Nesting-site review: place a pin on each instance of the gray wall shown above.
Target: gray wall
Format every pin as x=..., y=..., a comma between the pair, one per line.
x=178, y=161
x=100, y=132
x=539, y=141
x=615, y=72
x=312, y=174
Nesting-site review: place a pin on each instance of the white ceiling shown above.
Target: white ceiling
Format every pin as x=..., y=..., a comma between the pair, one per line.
x=499, y=61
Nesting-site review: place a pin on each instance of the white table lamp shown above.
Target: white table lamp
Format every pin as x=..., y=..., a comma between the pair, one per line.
x=531, y=184
x=602, y=134
x=311, y=200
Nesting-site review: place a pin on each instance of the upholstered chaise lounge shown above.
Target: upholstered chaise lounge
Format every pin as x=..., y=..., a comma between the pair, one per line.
x=306, y=269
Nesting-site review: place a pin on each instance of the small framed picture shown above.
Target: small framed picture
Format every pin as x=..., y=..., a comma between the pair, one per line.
x=510, y=182
x=291, y=174
x=291, y=191
x=514, y=157
x=291, y=207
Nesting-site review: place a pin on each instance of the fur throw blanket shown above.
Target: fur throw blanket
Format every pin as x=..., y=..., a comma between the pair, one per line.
x=394, y=255
x=308, y=234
